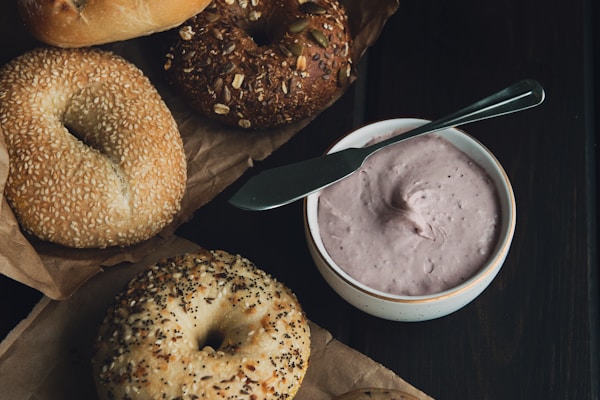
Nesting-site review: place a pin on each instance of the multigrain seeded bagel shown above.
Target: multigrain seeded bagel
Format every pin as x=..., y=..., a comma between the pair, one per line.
x=80, y=23
x=260, y=64
x=202, y=326
x=95, y=156
x=376, y=394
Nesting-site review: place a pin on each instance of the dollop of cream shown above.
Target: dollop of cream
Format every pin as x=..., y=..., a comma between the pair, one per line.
x=418, y=218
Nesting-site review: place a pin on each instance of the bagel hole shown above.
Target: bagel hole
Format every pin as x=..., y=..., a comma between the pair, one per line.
x=214, y=339
x=260, y=35
x=77, y=133
x=92, y=142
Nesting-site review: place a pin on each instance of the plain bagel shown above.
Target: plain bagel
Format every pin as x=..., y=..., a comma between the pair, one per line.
x=95, y=156
x=79, y=23
x=209, y=325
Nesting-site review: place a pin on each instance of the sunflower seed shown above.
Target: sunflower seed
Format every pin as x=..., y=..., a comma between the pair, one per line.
x=227, y=68
x=204, y=62
x=217, y=34
x=189, y=56
x=226, y=95
x=217, y=85
x=211, y=16
x=228, y=48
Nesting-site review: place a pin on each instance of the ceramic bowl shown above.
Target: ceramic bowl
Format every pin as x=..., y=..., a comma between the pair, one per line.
x=422, y=307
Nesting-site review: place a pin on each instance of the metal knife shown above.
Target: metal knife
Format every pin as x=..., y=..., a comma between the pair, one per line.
x=282, y=185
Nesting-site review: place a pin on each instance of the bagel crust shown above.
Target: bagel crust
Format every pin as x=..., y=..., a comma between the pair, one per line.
x=80, y=23
x=95, y=156
x=202, y=326
x=262, y=64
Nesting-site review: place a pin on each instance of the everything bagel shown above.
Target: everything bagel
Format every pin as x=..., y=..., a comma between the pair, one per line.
x=202, y=326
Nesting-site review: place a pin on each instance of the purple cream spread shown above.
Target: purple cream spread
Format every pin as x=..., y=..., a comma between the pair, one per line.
x=419, y=217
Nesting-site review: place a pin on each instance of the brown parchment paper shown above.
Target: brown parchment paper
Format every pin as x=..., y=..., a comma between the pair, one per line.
x=216, y=157
x=47, y=356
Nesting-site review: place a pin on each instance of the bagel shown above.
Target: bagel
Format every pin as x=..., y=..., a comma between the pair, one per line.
x=80, y=23
x=209, y=325
x=95, y=156
x=261, y=64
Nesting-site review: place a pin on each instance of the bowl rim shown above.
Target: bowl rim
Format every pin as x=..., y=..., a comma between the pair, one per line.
x=490, y=267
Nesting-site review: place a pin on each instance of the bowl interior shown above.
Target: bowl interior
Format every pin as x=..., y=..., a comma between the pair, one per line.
x=469, y=146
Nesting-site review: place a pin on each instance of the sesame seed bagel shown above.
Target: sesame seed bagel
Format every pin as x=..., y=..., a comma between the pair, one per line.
x=261, y=64
x=80, y=23
x=95, y=156
x=202, y=326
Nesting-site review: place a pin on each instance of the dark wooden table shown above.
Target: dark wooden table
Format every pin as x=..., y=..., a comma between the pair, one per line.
x=533, y=334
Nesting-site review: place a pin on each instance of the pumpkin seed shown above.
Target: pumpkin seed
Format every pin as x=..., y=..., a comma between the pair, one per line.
x=286, y=52
x=299, y=25
x=296, y=48
x=313, y=8
x=319, y=37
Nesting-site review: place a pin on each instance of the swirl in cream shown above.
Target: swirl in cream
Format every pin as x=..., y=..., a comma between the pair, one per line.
x=418, y=218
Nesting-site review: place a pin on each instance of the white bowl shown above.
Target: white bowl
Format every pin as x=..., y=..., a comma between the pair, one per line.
x=422, y=307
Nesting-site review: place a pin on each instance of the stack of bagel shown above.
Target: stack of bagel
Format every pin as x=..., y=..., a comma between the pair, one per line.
x=96, y=158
